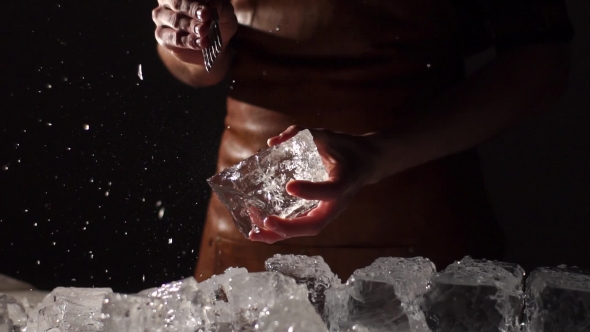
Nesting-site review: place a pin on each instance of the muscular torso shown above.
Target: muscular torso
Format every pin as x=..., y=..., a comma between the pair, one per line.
x=351, y=66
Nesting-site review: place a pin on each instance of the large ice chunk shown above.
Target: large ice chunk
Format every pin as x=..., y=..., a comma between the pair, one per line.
x=291, y=316
x=180, y=298
x=216, y=288
x=385, y=296
x=255, y=187
x=12, y=315
x=558, y=300
x=71, y=310
x=122, y=313
x=311, y=271
x=252, y=295
x=475, y=295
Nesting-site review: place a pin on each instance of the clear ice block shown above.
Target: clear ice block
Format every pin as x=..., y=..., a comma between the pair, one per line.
x=122, y=313
x=72, y=310
x=311, y=271
x=12, y=315
x=385, y=296
x=180, y=299
x=475, y=295
x=558, y=300
x=255, y=187
x=253, y=294
x=292, y=316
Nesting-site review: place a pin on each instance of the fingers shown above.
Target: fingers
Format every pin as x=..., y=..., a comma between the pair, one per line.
x=265, y=236
x=187, y=29
x=171, y=39
x=322, y=191
x=308, y=225
x=285, y=135
x=187, y=7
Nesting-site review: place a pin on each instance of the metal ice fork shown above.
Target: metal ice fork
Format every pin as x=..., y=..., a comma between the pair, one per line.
x=210, y=53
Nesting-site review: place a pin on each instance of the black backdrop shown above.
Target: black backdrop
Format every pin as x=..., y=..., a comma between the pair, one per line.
x=150, y=145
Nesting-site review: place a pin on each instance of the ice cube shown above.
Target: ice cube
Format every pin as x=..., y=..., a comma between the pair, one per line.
x=72, y=309
x=255, y=187
x=385, y=296
x=179, y=297
x=182, y=290
x=216, y=288
x=12, y=315
x=122, y=313
x=311, y=271
x=558, y=299
x=293, y=316
x=252, y=295
x=475, y=295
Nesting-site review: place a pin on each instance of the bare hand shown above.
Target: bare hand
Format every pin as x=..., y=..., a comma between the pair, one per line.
x=350, y=164
x=182, y=26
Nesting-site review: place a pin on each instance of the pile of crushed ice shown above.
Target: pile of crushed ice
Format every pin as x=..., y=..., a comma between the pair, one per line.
x=300, y=293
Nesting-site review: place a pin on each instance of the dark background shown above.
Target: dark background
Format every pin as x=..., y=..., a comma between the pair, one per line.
x=66, y=64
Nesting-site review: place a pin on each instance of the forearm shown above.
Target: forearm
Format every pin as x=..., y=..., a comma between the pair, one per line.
x=518, y=84
x=196, y=75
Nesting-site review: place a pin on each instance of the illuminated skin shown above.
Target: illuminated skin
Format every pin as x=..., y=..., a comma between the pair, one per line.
x=519, y=83
x=181, y=32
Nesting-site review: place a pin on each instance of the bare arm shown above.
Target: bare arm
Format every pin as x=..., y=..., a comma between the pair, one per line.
x=182, y=28
x=520, y=83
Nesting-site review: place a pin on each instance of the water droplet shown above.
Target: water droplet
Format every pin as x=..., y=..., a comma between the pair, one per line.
x=158, y=203
x=278, y=27
x=161, y=213
x=48, y=86
x=5, y=167
x=428, y=65
x=86, y=126
x=49, y=124
x=169, y=241
x=38, y=262
x=106, y=193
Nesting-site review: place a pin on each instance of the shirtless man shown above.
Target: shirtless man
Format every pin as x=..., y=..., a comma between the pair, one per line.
x=386, y=80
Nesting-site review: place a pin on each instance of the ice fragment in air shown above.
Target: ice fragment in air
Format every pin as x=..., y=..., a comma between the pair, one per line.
x=558, y=300
x=12, y=315
x=72, y=310
x=475, y=295
x=255, y=187
x=311, y=271
x=385, y=296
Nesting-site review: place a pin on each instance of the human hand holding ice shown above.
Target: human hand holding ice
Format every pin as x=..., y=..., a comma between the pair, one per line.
x=255, y=188
x=349, y=161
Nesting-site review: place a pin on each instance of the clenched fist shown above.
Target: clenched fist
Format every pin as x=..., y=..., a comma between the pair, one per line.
x=182, y=26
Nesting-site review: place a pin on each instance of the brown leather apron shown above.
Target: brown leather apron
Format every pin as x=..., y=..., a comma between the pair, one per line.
x=351, y=66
